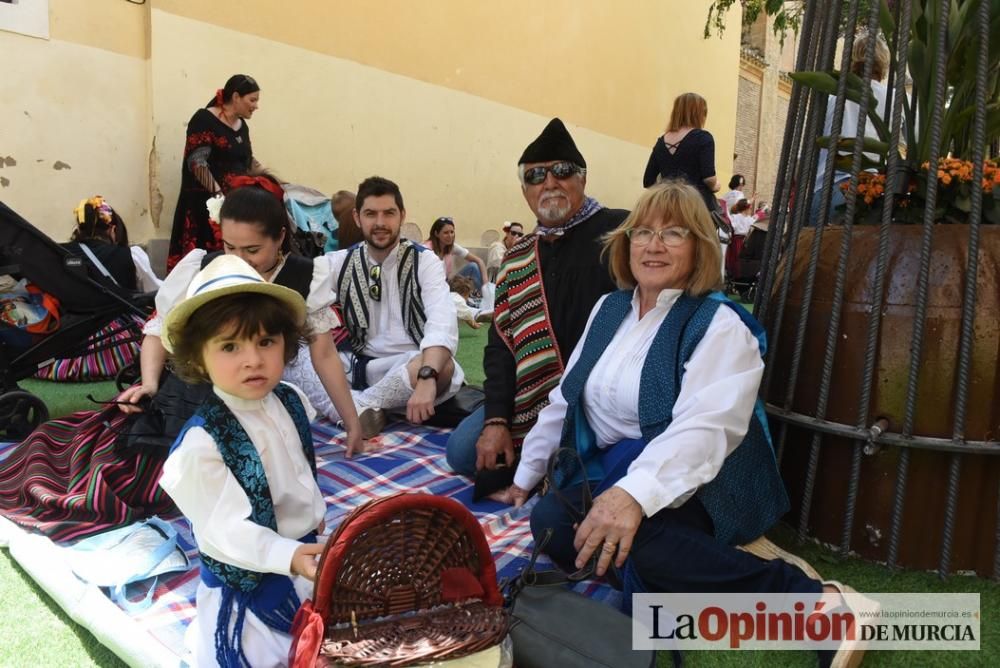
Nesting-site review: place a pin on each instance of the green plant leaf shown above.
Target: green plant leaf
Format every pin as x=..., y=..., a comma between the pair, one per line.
x=846, y=144
x=885, y=18
x=824, y=82
x=843, y=163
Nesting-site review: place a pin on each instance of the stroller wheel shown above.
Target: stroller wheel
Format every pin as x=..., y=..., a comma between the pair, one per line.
x=20, y=413
x=127, y=376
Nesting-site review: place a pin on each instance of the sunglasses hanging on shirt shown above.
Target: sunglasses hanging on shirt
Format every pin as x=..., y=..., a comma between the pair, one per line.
x=375, y=282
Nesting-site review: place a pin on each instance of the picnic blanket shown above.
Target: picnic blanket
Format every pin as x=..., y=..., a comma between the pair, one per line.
x=409, y=459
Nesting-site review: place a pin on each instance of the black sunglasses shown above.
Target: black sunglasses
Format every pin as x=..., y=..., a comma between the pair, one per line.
x=515, y=234
x=561, y=170
x=375, y=284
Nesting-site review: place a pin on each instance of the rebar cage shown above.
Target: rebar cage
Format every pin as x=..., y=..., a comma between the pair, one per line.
x=882, y=378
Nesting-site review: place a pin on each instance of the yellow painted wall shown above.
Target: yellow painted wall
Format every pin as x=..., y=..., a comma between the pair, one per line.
x=439, y=95
x=74, y=115
x=442, y=95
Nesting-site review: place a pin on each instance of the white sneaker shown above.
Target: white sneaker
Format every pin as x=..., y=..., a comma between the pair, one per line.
x=852, y=652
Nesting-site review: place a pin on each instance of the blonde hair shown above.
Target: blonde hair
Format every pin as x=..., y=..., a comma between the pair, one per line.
x=880, y=66
x=681, y=204
x=690, y=111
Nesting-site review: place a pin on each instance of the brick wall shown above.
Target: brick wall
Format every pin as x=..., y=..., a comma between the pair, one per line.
x=767, y=173
x=747, y=124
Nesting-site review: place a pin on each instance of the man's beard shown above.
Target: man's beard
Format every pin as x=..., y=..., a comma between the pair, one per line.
x=388, y=244
x=551, y=211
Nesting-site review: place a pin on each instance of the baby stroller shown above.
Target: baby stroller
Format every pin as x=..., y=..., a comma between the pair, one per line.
x=88, y=301
x=746, y=270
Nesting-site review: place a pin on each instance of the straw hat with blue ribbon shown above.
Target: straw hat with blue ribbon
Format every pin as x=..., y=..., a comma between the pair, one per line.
x=226, y=275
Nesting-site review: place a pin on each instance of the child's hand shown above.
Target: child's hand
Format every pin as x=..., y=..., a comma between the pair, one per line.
x=304, y=560
x=512, y=496
x=355, y=444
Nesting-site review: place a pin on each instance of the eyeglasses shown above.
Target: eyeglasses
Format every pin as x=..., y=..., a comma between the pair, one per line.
x=561, y=170
x=670, y=236
x=515, y=234
x=375, y=282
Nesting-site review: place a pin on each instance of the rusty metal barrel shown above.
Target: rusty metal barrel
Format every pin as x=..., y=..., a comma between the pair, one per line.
x=882, y=379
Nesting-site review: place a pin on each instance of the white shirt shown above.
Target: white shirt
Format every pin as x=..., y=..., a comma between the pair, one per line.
x=710, y=417
x=732, y=197
x=148, y=280
x=494, y=255
x=741, y=222
x=386, y=332
x=849, y=127
x=322, y=294
x=206, y=491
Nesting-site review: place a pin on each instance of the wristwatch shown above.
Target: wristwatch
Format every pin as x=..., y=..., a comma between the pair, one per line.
x=427, y=372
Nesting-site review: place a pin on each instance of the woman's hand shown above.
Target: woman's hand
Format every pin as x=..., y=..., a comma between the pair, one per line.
x=512, y=496
x=304, y=560
x=133, y=395
x=610, y=527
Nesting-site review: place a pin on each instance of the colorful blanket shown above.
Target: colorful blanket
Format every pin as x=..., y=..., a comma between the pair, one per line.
x=410, y=459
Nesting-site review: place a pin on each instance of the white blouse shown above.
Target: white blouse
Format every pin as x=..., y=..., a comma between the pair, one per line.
x=206, y=491
x=321, y=316
x=741, y=222
x=710, y=417
x=732, y=197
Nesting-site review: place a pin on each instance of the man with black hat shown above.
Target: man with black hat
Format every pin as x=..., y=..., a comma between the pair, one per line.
x=546, y=287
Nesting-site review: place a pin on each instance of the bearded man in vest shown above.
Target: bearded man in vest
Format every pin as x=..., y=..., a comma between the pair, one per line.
x=398, y=312
x=548, y=283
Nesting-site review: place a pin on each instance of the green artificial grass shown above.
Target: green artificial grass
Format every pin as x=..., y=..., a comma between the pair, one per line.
x=35, y=631
x=470, y=352
x=65, y=398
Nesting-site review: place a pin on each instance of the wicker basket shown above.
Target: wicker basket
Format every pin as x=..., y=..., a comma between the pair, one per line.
x=406, y=579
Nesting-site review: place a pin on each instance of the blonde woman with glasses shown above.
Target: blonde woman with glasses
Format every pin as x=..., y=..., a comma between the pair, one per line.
x=659, y=400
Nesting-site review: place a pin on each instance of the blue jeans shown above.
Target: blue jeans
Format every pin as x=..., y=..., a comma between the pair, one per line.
x=836, y=199
x=471, y=270
x=461, y=446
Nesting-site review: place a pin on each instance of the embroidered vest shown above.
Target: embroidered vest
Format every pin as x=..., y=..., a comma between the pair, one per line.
x=241, y=457
x=747, y=496
x=521, y=318
x=353, y=292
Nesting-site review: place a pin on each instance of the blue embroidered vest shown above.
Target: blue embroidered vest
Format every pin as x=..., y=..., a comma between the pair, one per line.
x=241, y=457
x=747, y=496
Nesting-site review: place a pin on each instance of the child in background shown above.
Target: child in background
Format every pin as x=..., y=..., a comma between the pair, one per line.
x=461, y=290
x=243, y=469
x=742, y=217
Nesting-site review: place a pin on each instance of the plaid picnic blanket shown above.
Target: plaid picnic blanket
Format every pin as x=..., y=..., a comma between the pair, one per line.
x=409, y=459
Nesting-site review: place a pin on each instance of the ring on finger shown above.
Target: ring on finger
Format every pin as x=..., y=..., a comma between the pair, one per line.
x=609, y=547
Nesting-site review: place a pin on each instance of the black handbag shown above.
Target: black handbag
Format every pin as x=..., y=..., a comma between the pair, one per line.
x=552, y=625
x=722, y=226
x=555, y=626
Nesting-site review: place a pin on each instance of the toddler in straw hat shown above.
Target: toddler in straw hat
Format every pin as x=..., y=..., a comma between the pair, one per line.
x=243, y=469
